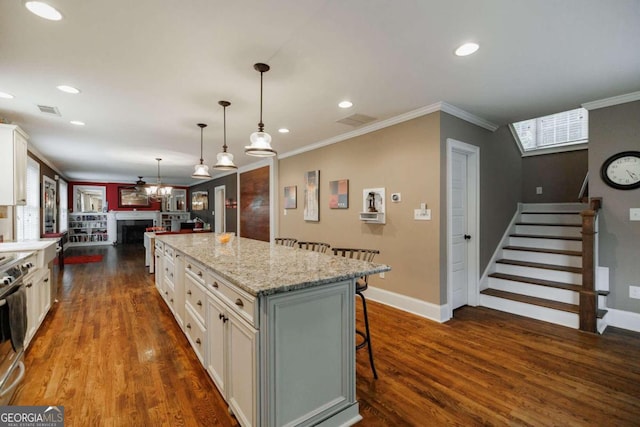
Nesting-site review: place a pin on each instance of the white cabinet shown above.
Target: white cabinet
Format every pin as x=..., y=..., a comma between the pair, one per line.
x=159, y=276
x=178, y=287
x=13, y=165
x=38, y=294
x=171, y=220
x=88, y=229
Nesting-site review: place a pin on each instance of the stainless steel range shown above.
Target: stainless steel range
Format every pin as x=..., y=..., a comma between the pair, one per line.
x=13, y=267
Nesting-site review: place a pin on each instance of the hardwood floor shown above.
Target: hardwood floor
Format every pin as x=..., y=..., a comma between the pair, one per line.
x=111, y=353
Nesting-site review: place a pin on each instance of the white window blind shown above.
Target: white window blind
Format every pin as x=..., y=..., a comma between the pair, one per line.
x=555, y=130
x=28, y=216
x=63, y=196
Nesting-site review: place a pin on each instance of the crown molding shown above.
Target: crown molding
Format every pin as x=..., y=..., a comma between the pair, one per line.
x=422, y=111
x=46, y=161
x=614, y=100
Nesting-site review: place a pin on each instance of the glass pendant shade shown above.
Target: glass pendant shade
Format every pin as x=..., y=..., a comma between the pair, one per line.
x=261, y=140
x=201, y=171
x=225, y=160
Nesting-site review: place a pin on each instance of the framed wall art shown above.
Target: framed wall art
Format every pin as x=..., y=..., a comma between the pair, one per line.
x=312, y=196
x=200, y=200
x=132, y=198
x=290, y=197
x=339, y=194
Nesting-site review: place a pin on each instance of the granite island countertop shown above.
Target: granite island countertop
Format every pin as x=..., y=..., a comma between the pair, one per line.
x=262, y=268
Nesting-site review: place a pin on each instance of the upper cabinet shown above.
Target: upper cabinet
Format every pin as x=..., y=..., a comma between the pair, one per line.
x=13, y=165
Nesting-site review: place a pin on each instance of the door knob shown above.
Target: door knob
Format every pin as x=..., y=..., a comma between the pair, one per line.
x=467, y=237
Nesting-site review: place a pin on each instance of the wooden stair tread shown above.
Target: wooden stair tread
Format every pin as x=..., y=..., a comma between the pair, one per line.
x=534, y=281
x=603, y=293
x=571, y=308
x=549, y=224
x=551, y=213
x=544, y=250
x=600, y=313
x=540, y=265
x=538, y=236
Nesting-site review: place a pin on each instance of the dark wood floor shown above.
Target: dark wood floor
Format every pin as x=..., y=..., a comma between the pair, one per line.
x=111, y=353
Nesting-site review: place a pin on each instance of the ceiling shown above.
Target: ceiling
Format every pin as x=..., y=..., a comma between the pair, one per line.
x=150, y=70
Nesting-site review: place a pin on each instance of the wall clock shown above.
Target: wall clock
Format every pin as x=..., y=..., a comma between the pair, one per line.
x=622, y=170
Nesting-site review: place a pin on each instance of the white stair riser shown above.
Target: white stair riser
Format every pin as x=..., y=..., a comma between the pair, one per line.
x=556, y=259
x=546, y=230
x=540, y=273
x=546, y=292
x=554, y=207
x=533, y=311
x=551, y=218
x=532, y=242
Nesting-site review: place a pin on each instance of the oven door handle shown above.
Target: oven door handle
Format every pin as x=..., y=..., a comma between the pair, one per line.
x=16, y=382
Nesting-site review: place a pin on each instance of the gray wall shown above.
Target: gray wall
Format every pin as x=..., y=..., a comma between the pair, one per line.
x=500, y=185
x=560, y=175
x=231, y=191
x=612, y=130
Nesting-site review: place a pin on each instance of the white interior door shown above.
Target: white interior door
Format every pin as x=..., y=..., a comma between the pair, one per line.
x=219, y=209
x=459, y=273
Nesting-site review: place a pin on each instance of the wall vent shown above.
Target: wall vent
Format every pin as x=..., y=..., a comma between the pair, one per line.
x=49, y=110
x=356, y=120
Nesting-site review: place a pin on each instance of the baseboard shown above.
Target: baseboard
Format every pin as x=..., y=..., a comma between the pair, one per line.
x=623, y=319
x=437, y=313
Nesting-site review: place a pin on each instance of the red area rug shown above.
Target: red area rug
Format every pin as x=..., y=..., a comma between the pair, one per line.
x=80, y=259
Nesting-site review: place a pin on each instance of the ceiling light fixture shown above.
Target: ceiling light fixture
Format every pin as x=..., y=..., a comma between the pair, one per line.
x=43, y=10
x=6, y=95
x=68, y=89
x=345, y=104
x=158, y=192
x=261, y=140
x=467, y=49
x=201, y=171
x=225, y=160
x=77, y=122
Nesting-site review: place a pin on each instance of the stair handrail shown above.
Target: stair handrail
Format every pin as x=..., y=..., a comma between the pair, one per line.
x=588, y=295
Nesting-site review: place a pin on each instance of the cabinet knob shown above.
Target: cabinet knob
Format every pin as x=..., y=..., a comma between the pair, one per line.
x=188, y=325
x=215, y=285
x=199, y=303
x=29, y=285
x=189, y=266
x=189, y=292
x=46, y=280
x=166, y=292
x=239, y=303
x=171, y=300
x=199, y=273
x=220, y=316
x=198, y=341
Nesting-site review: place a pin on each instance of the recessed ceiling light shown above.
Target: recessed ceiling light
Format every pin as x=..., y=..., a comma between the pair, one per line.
x=68, y=89
x=77, y=122
x=283, y=130
x=345, y=104
x=43, y=10
x=6, y=95
x=467, y=49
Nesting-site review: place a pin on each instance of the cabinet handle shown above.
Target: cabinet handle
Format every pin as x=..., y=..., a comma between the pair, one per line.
x=224, y=319
x=46, y=280
x=215, y=285
x=189, y=266
x=220, y=316
x=198, y=341
x=199, y=273
x=29, y=285
x=189, y=292
x=166, y=292
x=239, y=303
x=171, y=300
x=199, y=303
x=166, y=269
x=188, y=325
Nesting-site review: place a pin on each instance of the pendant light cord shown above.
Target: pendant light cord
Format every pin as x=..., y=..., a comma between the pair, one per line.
x=201, y=130
x=261, y=125
x=224, y=127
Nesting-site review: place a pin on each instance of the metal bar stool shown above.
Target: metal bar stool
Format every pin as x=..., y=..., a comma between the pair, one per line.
x=285, y=241
x=361, y=285
x=314, y=246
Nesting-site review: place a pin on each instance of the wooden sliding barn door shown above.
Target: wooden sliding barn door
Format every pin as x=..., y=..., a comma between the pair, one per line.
x=254, y=204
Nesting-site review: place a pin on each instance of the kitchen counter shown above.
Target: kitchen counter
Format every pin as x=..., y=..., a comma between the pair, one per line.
x=262, y=268
x=45, y=248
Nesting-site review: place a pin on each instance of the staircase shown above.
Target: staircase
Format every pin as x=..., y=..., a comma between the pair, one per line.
x=537, y=272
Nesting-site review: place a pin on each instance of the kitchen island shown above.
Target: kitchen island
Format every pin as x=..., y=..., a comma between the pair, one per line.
x=273, y=326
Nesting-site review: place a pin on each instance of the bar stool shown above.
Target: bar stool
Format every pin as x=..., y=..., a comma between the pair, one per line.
x=286, y=241
x=314, y=246
x=361, y=285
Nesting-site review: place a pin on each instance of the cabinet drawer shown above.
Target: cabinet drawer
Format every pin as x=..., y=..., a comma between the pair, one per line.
x=194, y=296
x=159, y=246
x=239, y=301
x=168, y=252
x=196, y=333
x=194, y=269
x=169, y=270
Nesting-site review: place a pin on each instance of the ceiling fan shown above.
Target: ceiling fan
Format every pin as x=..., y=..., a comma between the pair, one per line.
x=140, y=184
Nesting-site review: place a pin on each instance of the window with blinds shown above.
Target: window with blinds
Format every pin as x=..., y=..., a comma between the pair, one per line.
x=558, y=130
x=63, y=196
x=28, y=216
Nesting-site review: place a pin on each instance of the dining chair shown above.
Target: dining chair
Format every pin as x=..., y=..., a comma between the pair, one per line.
x=286, y=241
x=361, y=285
x=314, y=246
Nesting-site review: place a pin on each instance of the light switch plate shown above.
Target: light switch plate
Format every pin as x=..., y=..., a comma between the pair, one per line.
x=422, y=215
x=634, y=292
x=538, y=190
x=634, y=214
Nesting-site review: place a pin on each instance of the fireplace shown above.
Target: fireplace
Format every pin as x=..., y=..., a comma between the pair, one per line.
x=131, y=231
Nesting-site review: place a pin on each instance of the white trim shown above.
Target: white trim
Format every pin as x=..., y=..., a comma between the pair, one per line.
x=437, y=313
x=560, y=149
x=484, y=280
x=473, y=221
x=614, y=100
x=422, y=111
x=274, y=201
x=623, y=319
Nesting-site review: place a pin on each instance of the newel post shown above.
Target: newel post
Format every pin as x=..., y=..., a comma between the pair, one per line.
x=588, y=296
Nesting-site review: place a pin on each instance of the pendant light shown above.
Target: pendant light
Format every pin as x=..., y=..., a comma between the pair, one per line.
x=158, y=191
x=225, y=160
x=201, y=171
x=261, y=140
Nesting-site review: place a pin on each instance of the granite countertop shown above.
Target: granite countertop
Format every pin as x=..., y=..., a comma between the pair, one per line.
x=262, y=268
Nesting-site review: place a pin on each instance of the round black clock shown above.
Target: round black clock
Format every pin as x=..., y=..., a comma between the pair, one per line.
x=622, y=170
